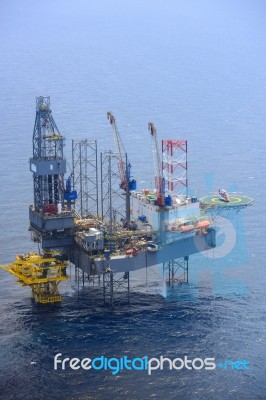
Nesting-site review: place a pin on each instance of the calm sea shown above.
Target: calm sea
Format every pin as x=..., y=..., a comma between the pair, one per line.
x=197, y=69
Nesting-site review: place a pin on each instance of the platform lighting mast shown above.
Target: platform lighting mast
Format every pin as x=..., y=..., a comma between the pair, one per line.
x=124, y=167
x=159, y=180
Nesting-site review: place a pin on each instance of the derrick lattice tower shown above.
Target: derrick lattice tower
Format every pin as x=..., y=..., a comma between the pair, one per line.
x=51, y=218
x=47, y=164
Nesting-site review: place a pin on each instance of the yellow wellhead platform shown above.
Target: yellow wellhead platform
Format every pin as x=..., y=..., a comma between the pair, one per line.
x=42, y=273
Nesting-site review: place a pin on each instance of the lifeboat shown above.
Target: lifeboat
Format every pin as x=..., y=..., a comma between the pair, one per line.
x=203, y=224
x=186, y=228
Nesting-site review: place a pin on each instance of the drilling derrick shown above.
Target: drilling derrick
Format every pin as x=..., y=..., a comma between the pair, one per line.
x=47, y=164
x=50, y=223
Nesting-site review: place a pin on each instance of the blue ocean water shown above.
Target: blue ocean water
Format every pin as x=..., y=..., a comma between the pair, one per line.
x=197, y=69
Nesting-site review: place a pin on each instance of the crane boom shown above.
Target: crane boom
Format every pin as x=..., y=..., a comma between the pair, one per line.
x=120, y=151
x=159, y=180
x=124, y=167
x=126, y=184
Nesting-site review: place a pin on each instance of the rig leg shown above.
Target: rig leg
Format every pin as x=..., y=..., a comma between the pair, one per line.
x=108, y=287
x=176, y=270
x=112, y=289
x=115, y=285
x=128, y=288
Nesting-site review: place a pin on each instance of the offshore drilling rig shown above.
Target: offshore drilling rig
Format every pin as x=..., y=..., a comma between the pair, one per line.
x=97, y=220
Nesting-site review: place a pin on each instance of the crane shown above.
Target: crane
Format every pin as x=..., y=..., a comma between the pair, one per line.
x=159, y=180
x=124, y=167
x=126, y=184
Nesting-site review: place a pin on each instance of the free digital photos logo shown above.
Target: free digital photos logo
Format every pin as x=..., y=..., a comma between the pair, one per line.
x=146, y=363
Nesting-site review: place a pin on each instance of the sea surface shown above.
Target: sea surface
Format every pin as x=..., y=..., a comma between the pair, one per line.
x=197, y=69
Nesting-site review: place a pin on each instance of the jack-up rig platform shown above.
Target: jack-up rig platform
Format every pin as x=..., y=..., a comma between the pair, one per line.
x=98, y=221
